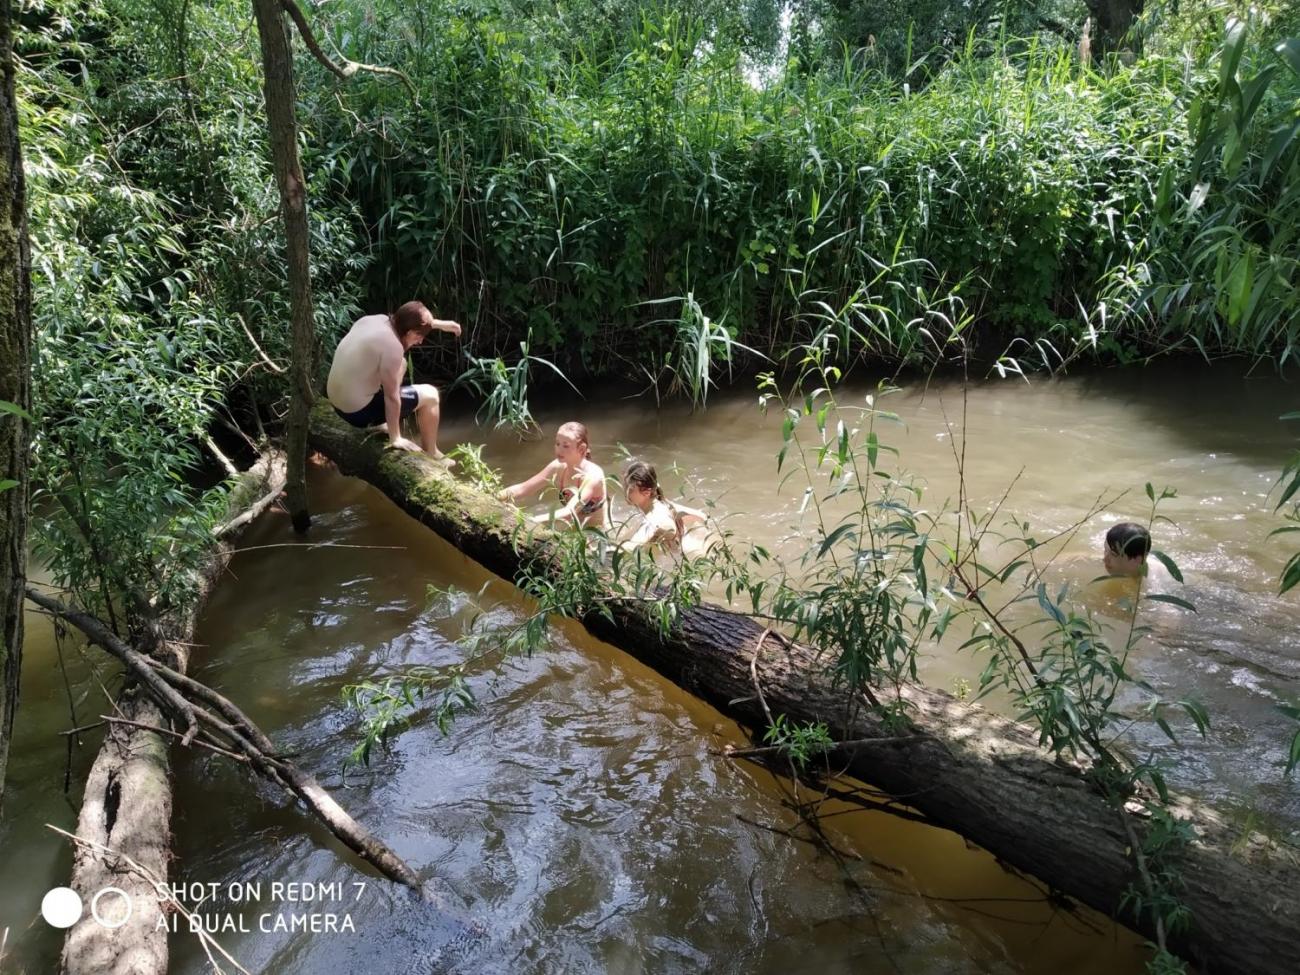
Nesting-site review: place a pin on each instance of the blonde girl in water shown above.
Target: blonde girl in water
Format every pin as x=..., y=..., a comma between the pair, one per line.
x=578, y=479
x=672, y=527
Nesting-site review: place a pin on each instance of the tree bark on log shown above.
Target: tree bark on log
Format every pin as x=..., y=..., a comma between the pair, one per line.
x=15, y=388
x=971, y=771
x=128, y=797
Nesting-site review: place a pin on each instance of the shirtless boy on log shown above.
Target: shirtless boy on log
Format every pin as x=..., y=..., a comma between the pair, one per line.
x=365, y=383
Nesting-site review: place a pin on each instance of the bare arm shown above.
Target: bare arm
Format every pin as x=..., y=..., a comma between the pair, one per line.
x=531, y=486
x=392, y=371
x=586, y=501
x=654, y=528
x=647, y=533
x=691, y=517
x=446, y=325
x=591, y=491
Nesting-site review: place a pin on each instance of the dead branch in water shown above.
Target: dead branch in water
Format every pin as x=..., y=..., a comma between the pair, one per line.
x=253, y=512
x=187, y=700
x=99, y=634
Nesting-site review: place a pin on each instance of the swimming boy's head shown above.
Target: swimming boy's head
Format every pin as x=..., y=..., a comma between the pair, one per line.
x=571, y=444
x=641, y=484
x=1125, y=552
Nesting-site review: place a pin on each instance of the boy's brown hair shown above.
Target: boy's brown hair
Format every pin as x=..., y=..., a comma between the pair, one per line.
x=412, y=317
x=1129, y=540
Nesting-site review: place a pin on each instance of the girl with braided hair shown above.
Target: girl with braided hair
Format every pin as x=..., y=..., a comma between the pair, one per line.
x=665, y=524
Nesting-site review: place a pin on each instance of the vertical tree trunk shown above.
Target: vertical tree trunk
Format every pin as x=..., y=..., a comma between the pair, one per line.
x=15, y=388
x=1113, y=20
x=282, y=122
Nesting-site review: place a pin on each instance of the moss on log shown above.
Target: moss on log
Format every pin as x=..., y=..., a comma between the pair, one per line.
x=974, y=772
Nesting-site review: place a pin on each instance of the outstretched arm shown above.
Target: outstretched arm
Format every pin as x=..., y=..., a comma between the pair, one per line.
x=691, y=517
x=645, y=535
x=531, y=486
x=655, y=527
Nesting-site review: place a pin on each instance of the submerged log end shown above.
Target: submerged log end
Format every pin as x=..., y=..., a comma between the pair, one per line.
x=128, y=798
x=128, y=802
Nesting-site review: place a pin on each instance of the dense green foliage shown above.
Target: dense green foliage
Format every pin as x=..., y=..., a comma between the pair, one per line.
x=645, y=191
x=558, y=190
x=654, y=190
x=658, y=190
x=1219, y=264
x=156, y=258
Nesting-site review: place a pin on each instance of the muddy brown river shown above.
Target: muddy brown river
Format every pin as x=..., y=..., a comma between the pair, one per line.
x=579, y=815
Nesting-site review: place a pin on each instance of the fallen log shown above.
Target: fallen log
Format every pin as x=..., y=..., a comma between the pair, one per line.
x=127, y=803
x=969, y=770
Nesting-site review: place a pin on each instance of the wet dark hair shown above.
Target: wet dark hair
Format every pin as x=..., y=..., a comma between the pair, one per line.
x=1130, y=540
x=642, y=475
x=412, y=317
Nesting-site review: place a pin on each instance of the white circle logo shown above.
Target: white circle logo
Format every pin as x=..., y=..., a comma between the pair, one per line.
x=61, y=907
x=111, y=922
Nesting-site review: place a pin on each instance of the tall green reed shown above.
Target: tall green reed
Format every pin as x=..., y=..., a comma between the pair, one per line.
x=564, y=191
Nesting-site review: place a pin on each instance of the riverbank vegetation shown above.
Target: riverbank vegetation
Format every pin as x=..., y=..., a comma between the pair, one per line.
x=647, y=193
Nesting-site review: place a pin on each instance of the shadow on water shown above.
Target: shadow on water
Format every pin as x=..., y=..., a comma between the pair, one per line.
x=1206, y=408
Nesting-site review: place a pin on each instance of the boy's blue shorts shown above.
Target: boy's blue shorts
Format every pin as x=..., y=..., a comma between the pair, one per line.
x=372, y=414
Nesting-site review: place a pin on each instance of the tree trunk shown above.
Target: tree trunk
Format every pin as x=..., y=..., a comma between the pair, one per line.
x=1112, y=20
x=15, y=388
x=971, y=771
x=282, y=125
x=128, y=798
